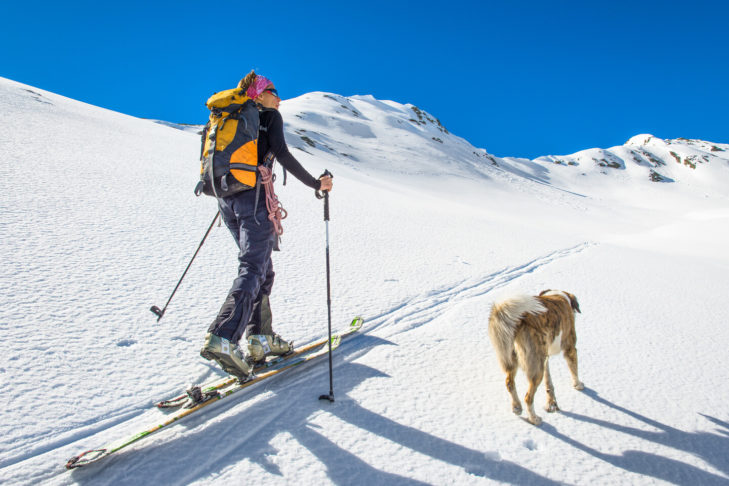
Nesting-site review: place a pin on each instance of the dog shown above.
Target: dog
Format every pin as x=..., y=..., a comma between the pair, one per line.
x=525, y=331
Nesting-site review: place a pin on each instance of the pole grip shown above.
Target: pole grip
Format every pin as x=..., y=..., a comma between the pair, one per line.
x=324, y=195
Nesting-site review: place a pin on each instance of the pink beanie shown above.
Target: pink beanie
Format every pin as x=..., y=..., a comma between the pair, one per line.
x=257, y=87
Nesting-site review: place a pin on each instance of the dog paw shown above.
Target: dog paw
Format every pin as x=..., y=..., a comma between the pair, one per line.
x=579, y=386
x=516, y=409
x=535, y=420
x=551, y=407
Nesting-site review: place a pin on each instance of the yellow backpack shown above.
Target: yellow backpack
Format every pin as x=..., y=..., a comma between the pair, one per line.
x=229, y=154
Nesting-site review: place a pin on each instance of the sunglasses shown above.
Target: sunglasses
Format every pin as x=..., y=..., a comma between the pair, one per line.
x=273, y=92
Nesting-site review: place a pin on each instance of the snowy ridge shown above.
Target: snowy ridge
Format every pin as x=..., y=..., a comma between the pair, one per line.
x=181, y=126
x=695, y=162
x=98, y=221
x=369, y=134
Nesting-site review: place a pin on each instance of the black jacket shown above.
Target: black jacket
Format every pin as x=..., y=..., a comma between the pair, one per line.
x=271, y=138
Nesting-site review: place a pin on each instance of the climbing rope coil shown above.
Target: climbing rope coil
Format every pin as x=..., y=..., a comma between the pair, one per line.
x=276, y=212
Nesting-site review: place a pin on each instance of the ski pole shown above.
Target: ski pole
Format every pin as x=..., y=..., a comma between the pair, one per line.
x=330, y=396
x=161, y=312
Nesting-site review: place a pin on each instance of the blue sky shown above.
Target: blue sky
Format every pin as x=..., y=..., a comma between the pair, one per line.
x=521, y=78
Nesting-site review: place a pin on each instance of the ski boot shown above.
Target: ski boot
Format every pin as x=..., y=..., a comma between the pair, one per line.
x=227, y=355
x=262, y=345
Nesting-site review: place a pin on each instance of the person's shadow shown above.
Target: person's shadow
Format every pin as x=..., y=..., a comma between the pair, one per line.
x=711, y=447
x=211, y=445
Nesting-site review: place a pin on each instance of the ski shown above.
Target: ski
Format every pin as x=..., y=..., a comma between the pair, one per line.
x=199, y=398
x=274, y=363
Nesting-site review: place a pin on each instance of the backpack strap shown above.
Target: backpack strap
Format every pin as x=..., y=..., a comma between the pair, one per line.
x=264, y=128
x=268, y=159
x=211, y=131
x=212, y=134
x=203, y=136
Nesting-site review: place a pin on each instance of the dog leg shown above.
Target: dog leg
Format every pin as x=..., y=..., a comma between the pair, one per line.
x=535, y=378
x=551, y=399
x=511, y=386
x=570, y=355
x=529, y=399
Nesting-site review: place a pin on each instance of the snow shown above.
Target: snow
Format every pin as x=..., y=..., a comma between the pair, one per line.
x=98, y=220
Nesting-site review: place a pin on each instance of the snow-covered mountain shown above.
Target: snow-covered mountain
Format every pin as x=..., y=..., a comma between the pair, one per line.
x=347, y=128
x=403, y=140
x=697, y=163
x=98, y=220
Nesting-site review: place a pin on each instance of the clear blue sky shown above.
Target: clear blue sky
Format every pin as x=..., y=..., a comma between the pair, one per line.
x=524, y=78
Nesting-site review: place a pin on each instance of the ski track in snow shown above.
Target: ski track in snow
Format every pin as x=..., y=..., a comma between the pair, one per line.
x=421, y=310
x=71, y=435
x=200, y=423
x=411, y=314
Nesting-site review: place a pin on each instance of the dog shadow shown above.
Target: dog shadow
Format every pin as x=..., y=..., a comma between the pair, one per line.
x=211, y=445
x=713, y=448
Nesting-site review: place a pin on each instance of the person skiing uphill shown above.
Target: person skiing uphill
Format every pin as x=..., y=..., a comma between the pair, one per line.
x=247, y=310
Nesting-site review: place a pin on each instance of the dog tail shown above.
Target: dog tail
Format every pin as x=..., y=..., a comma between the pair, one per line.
x=503, y=322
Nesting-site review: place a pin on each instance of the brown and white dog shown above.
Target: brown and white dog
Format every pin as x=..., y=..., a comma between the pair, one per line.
x=525, y=331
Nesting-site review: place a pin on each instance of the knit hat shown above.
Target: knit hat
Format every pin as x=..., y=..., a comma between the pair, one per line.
x=257, y=87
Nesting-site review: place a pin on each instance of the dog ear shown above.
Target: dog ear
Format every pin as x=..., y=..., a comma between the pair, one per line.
x=573, y=302
x=544, y=292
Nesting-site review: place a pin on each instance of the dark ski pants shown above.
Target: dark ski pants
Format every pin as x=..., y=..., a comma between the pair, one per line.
x=246, y=310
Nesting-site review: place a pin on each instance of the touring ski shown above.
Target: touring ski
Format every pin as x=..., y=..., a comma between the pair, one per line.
x=200, y=397
x=274, y=363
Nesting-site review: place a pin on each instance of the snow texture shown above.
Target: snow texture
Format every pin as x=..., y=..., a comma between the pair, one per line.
x=98, y=220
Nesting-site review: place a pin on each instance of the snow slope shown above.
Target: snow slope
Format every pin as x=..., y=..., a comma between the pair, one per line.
x=98, y=221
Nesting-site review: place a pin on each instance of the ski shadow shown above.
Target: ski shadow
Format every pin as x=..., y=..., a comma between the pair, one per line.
x=712, y=448
x=285, y=411
x=472, y=461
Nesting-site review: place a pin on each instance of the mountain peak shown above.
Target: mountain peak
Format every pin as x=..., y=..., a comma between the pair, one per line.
x=643, y=139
